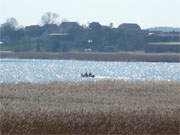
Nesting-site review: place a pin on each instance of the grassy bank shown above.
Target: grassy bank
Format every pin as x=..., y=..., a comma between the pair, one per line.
x=102, y=107
x=121, y=56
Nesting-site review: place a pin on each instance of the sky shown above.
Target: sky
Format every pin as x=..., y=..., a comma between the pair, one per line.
x=147, y=13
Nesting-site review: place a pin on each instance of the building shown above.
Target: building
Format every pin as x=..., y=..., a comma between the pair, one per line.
x=161, y=42
x=162, y=47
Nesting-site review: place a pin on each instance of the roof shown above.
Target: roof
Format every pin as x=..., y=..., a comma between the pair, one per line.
x=130, y=26
x=164, y=43
x=58, y=34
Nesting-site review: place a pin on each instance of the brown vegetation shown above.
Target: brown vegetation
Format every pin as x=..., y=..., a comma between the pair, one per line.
x=121, y=56
x=95, y=107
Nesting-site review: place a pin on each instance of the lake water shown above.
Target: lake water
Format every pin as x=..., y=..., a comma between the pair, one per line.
x=35, y=71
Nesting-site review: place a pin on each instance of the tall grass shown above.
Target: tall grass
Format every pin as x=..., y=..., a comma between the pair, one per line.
x=121, y=56
x=101, y=107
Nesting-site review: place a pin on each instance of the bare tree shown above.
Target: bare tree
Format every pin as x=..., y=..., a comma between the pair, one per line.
x=111, y=25
x=50, y=18
x=11, y=23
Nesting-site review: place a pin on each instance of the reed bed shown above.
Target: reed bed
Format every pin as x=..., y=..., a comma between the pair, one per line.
x=91, y=107
x=96, y=56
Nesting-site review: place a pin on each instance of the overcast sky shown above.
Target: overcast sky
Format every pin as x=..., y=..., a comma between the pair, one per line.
x=147, y=13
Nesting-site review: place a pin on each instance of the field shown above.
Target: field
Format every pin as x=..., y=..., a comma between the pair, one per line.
x=91, y=107
x=96, y=56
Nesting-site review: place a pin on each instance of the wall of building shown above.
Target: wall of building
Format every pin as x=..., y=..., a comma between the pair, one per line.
x=159, y=48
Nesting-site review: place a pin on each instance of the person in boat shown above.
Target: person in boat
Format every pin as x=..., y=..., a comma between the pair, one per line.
x=90, y=74
x=87, y=75
x=84, y=75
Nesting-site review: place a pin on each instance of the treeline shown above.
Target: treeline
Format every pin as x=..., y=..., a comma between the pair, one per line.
x=52, y=36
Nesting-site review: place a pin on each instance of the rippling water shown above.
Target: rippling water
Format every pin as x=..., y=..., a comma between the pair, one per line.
x=16, y=70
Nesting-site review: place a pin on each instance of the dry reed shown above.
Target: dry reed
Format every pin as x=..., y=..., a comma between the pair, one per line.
x=99, y=107
x=96, y=56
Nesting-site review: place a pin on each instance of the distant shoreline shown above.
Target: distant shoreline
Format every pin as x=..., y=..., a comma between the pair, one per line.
x=96, y=56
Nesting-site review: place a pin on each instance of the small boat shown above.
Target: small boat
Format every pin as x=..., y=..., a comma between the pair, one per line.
x=86, y=75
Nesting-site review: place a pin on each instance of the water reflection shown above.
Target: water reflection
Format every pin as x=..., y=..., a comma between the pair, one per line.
x=15, y=70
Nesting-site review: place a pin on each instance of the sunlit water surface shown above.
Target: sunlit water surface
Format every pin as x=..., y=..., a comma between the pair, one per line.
x=41, y=71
